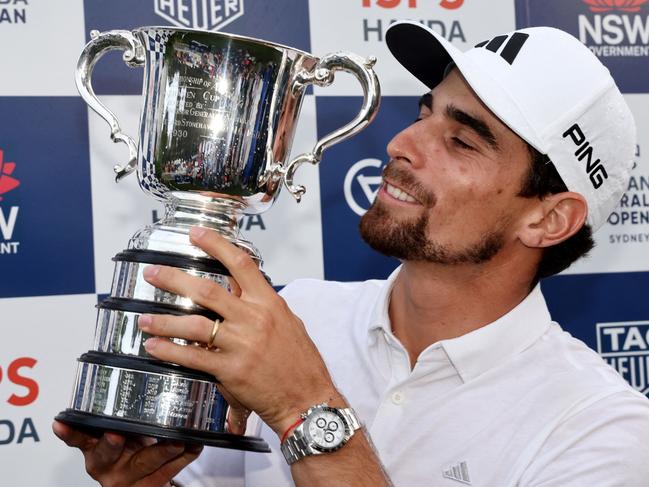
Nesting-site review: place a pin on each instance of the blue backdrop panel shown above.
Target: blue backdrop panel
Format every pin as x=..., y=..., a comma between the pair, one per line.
x=619, y=35
x=580, y=302
x=346, y=256
x=53, y=220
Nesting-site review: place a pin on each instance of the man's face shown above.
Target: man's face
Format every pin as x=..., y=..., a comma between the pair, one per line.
x=450, y=191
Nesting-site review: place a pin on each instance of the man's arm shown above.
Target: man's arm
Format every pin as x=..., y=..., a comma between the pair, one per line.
x=355, y=464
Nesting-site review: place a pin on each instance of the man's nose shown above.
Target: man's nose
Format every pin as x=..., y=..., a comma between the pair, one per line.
x=411, y=143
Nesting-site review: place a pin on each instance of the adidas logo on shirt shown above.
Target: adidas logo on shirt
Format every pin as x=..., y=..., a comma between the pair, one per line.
x=459, y=472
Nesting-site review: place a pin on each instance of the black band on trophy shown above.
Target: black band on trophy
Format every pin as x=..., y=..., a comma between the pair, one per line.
x=158, y=367
x=96, y=425
x=145, y=307
x=173, y=260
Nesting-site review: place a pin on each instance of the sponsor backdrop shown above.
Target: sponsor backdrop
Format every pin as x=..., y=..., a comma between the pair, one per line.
x=62, y=217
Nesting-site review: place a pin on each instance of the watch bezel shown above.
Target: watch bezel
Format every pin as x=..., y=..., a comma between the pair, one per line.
x=311, y=441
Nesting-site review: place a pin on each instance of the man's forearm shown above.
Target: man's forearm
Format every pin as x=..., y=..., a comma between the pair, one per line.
x=356, y=464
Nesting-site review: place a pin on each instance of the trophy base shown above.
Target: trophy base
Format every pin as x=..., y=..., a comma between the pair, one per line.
x=96, y=425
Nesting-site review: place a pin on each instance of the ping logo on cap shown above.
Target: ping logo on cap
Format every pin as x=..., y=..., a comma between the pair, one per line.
x=512, y=47
x=595, y=170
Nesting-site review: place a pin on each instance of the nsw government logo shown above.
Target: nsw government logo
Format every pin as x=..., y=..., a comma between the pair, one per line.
x=625, y=346
x=616, y=31
x=8, y=214
x=199, y=14
x=615, y=28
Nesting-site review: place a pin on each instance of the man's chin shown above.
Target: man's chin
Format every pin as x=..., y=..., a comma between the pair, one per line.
x=408, y=240
x=391, y=236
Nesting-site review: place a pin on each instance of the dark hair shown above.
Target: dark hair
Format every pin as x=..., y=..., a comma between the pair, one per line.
x=543, y=179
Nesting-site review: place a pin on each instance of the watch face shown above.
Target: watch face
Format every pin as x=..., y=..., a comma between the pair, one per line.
x=325, y=429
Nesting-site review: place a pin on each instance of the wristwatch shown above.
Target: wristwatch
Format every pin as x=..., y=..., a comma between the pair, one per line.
x=323, y=430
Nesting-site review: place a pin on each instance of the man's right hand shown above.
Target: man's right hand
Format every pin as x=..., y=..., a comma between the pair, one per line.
x=115, y=461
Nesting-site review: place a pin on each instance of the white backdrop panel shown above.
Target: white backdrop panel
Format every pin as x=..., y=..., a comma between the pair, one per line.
x=363, y=30
x=53, y=331
x=40, y=60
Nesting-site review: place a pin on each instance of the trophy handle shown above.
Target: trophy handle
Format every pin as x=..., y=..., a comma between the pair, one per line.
x=134, y=56
x=323, y=75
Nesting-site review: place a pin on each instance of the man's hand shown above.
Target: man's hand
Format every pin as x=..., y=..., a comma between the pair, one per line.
x=115, y=461
x=263, y=357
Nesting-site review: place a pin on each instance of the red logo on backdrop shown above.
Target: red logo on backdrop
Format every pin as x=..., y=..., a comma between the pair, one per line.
x=447, y=4
x=16, y=378
x=615, y=5
x=7, y=183
x=451, y=4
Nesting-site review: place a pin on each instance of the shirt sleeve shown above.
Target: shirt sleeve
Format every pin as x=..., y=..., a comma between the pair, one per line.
x=603, y=445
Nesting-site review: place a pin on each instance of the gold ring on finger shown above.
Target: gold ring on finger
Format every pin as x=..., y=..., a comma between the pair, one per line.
x=215, y=330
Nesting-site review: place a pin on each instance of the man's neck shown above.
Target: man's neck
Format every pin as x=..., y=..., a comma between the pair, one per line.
x=432, y=302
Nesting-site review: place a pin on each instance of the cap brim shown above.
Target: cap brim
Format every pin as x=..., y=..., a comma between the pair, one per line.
x=420, y=51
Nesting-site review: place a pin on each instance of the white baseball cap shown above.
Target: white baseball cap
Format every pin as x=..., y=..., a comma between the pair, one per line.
x=549, y=89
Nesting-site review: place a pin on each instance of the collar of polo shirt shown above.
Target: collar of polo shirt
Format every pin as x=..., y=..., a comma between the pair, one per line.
x=485, y=348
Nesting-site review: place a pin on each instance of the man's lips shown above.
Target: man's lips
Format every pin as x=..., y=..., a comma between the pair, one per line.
x=398, y=193
x=400, y=178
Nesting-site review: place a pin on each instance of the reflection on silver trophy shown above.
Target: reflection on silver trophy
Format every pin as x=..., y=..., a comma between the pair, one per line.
x=216, y=130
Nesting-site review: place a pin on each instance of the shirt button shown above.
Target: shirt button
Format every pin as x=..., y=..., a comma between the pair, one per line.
x=397, y=398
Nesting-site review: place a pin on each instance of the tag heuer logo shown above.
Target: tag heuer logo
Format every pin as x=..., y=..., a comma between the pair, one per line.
x=199, y=14
x=625, y=346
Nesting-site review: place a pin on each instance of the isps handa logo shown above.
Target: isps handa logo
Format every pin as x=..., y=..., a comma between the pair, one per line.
x=615, y=28
x=625, y=346
x=13, y=12
x=199, y=14
x=375, y=28
x=8, y=214
x=17, y=390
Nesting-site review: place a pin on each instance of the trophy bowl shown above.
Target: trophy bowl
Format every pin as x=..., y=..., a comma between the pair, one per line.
x=216, y=130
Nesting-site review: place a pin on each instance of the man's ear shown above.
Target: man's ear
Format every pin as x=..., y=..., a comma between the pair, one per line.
x=553, y=219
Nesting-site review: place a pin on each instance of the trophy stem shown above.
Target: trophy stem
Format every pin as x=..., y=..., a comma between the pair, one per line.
x=183, y=211
x=221, y=215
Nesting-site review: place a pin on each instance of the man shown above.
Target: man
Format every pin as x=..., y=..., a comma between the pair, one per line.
x=453, y=364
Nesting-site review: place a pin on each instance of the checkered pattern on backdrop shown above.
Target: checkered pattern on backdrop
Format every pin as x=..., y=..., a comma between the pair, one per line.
x=62, y=217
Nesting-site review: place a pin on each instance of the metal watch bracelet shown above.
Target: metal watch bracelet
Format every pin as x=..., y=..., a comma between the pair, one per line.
x=296, y=447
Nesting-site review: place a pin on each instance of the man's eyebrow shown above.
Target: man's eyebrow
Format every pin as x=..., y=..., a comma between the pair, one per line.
x=475, y=124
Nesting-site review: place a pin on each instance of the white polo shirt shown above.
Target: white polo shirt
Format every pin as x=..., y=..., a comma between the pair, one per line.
x=518, y=402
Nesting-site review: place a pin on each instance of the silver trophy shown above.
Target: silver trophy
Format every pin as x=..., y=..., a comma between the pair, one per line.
x=216, y=130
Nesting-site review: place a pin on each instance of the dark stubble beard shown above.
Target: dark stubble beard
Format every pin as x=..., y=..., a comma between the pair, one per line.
x=408, y=240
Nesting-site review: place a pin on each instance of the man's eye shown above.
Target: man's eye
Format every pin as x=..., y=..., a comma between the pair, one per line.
x=459, y=142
